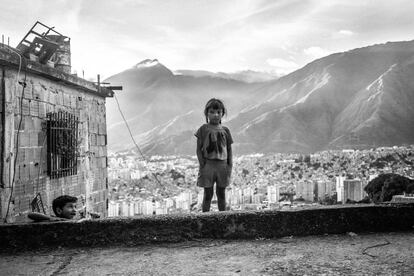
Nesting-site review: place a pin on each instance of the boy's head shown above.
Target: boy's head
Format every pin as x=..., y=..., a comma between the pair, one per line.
x=64, y=206
x=214, y=104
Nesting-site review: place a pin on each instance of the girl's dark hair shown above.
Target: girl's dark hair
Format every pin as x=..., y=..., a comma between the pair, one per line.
x=214, y=104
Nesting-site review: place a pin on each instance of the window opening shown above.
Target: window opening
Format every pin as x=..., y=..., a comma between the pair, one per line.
x=62, y=145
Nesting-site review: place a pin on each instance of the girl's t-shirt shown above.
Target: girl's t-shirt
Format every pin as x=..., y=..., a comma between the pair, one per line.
x=215, y=140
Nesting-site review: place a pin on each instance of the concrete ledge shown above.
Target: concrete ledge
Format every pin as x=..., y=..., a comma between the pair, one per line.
x=7, y=58
x=224, y=225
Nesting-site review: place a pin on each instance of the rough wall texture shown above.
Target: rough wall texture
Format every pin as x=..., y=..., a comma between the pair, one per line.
x=43, y=95
x=223, y=225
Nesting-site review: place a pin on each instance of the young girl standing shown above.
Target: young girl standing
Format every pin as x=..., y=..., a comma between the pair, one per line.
x=214, y=155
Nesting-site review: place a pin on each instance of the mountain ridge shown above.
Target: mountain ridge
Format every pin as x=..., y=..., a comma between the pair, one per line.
x=360, y=98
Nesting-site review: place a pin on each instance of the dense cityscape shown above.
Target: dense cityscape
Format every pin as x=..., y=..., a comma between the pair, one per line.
x=167, y=184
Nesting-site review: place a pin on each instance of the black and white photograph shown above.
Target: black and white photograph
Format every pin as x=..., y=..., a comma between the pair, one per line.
x=207, y=137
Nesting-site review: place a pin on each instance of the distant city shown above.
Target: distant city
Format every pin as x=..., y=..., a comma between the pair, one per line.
x=167, y=184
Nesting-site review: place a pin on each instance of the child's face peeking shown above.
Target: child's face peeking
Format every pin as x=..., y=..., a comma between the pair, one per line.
x=68, y=211
x=214, y=116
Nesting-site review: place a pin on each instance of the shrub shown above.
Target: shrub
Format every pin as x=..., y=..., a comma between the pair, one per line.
x=383, y=187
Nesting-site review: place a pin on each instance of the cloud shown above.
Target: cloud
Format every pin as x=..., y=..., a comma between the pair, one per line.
x=264, y=12
x=346, y=32
x=316, y=52
x=211, y=35
x=282, y=66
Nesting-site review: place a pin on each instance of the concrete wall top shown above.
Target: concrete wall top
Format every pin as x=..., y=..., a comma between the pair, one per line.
x=9, y=58
x=222, y=225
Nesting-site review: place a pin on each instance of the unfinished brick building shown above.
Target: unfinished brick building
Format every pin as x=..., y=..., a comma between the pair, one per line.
x=53, y=129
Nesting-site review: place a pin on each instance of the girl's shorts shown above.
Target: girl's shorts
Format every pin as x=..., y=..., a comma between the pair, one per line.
x=214, y=171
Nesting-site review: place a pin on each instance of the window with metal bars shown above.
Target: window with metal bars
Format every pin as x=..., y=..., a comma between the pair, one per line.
x=62, y=144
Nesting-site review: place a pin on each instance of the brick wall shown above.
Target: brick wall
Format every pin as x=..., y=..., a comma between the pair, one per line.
x=43, y=95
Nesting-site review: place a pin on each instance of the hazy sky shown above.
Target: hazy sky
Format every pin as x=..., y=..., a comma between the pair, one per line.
x=277, y=36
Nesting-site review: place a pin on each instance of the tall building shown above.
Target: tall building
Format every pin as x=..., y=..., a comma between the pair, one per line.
x=353, y=190
x=147, y=207
x=340, y=188
x=247, y=195
x=305, y=189
x=113, y=209
x=169, y=203
x=137, y=207
x=324, y=188
x=273, y=194
x=124, y=209
x=257, y=198
x=184, y=200
x=234, y=197
x=161, y=207
x=239, y=195
x=131, y=209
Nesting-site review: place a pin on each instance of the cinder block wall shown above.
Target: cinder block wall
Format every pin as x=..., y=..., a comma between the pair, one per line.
x=43, y=95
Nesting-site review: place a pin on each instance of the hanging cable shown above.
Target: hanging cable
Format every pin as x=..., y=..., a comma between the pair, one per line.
x=129, y=130
x=132, y=137
x=11, y=184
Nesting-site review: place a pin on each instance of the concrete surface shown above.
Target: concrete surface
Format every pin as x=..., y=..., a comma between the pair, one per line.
x=346, y=254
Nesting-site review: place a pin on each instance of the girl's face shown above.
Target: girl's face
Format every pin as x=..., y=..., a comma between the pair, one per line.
x=214, y=116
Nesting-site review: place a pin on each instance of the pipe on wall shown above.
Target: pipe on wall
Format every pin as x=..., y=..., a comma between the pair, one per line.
x=3, y=122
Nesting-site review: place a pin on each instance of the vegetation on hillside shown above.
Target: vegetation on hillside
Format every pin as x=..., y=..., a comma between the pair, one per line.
x=383, y=187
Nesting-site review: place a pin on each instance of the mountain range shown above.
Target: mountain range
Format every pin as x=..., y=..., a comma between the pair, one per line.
x=158, y=103
x=248, y=76
x=360, y=98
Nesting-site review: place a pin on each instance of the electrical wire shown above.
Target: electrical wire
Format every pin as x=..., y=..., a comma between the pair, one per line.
x=132, y=137
x=18, y=131
x=129, y=130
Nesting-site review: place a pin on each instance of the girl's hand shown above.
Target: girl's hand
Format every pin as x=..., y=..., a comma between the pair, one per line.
x=229, y=170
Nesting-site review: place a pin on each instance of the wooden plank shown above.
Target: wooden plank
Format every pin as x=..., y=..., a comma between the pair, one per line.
x=8, y=142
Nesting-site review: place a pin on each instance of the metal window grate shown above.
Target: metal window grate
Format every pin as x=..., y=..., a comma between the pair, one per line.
x=62, y=145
